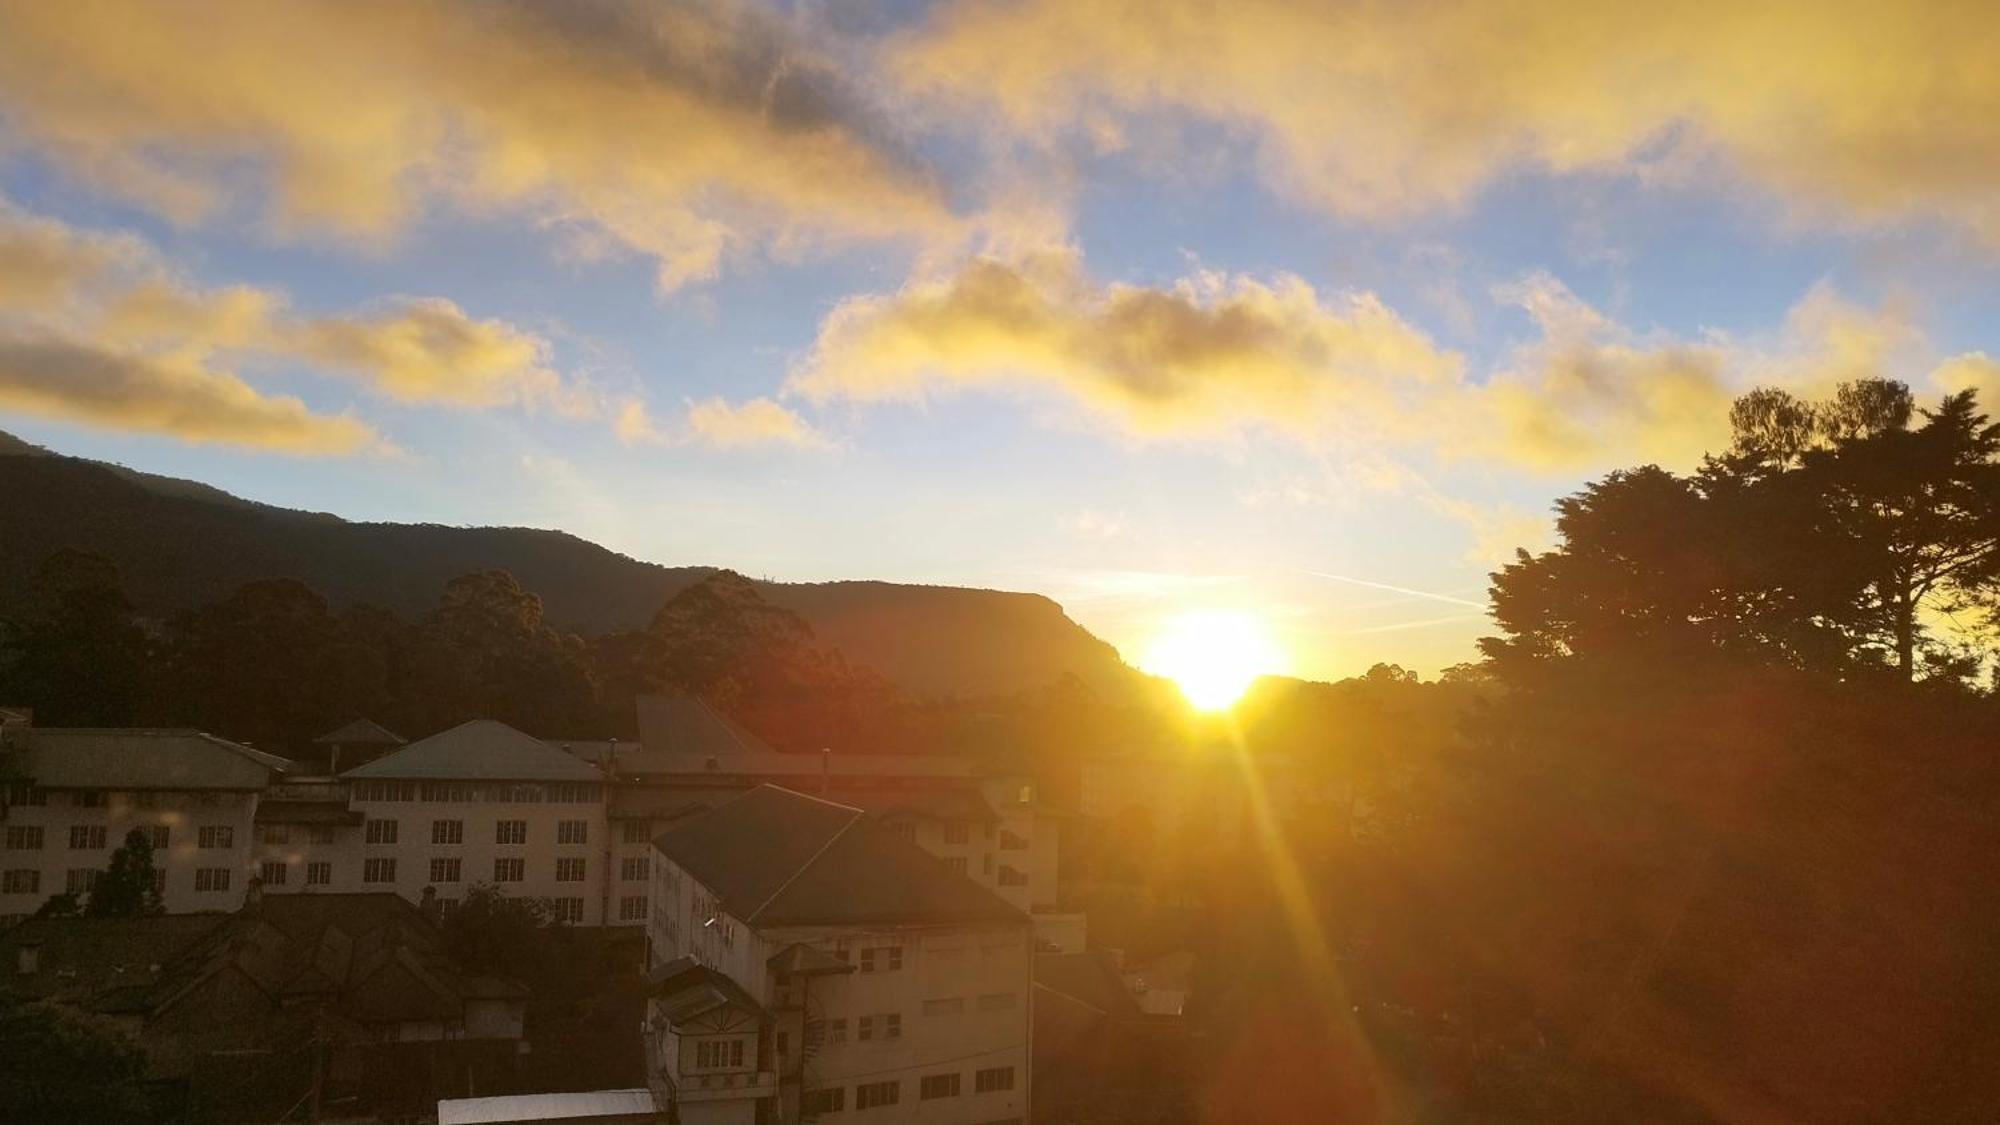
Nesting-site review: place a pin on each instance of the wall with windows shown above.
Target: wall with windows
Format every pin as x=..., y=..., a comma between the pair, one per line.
x=59, y=840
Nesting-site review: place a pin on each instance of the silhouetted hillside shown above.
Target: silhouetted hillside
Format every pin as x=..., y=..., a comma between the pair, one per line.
x=180, y=543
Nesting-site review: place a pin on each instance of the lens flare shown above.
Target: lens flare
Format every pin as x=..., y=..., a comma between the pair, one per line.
x=1213, y=656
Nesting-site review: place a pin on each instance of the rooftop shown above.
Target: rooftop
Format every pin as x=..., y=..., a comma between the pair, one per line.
x=776, y=857
x=482, y=749
x=139, y=758
x=546, y=1107
x=684, y=724
x=361, y=732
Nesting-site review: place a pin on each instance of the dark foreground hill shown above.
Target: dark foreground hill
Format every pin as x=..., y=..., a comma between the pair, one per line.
x=181, y=543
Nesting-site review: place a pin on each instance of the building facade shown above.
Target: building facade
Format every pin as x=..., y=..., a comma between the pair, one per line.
x=810, y=963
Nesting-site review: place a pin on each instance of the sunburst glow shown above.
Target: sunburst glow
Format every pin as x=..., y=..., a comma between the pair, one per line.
x=1213, y=656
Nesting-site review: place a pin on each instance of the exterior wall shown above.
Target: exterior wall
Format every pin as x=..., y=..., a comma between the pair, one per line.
x=183, y=813
x=961, y=995
x=479, y=849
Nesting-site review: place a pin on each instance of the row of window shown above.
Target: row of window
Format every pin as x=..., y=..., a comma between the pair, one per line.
x=22, y=795
x=95, y=837
x=448, y=832
x=495, y=792
x=283, y=833
x=450, y=869
x=873, y=1095
x=79, y=880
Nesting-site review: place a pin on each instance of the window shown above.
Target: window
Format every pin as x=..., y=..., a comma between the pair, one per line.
x=938, y=1086
x=447, y=791
x=89, y=799
x=319, y=834
x=904, y=828
x=1012, y=878
x=509, y=870
x=446, y=870
x=211, y=878
x=157, y=835
x=510, y=832
x=633, y=831
x=997, y=1078
x=319, y=874
x=816, y=1102
x=956, y=863
x=836, y=1030
x=1012, y=842
x=567, y=910
x=24, y=838
x=632, y=908
x=381, y=831
x=274, y=833
x=886, y=958
x=217, y=836
x=572, y=832
x=955, y=832
x=710, y=1053
x=869, y=1095
x=889, y=1026
x=569, y=870
x=948, y=1006
x=996, y=1002
x=633, y=869
x=82, y=880
x=21, y=881
x=86, y=837
x=27, y=796
x=273, y=872
x=447, y=832
x=378, y=870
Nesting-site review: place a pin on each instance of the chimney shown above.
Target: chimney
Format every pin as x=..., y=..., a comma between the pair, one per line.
x=28, y=960
x=429, y=904
x=825, y=769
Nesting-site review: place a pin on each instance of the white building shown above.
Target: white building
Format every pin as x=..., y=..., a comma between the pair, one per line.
x=479, y=803
x=810, y=963
x=73, y=794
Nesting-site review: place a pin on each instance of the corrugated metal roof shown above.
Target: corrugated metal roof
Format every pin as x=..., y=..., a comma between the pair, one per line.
x=481, y=749
x=683, y=724
x=776, y=857
x=545, y=1107
x=136, y=758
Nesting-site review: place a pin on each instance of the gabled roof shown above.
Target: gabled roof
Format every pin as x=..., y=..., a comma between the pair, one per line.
x=482, y=749
x=688, y=989
x=361, y=732
x=1090, y=978
x=684, y=724
x=777, y=858
x=138, y=758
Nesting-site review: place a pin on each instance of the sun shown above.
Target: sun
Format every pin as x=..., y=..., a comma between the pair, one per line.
x=1213, y=656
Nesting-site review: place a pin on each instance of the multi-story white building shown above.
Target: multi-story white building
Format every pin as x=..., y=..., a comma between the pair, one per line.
x=73, y=794
x=809, y=963
x=479, y=803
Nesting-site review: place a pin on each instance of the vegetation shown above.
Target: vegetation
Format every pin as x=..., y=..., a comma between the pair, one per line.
x=61, y=1067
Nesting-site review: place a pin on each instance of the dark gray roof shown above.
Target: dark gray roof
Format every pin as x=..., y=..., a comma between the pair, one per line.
x=133, y=758
x=1089, y=977
x=779, y=858
x=361, y=732
x=683, y=724
x=482, y=749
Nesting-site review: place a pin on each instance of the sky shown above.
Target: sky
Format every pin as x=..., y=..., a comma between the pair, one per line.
x=1303, y=311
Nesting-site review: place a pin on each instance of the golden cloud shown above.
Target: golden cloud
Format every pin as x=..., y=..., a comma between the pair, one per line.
x=168, y=395
x=681, y=131
x=759, y=421
x=1870, y=110
x=112, y=298
x=1216, y=354
x=1203, y=355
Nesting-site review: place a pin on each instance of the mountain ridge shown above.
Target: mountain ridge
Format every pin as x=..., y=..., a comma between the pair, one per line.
x=181, y=543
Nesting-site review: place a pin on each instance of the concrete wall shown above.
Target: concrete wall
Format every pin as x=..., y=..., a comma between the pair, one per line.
x=183, y=813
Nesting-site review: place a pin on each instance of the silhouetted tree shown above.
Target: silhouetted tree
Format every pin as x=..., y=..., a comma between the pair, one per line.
x=59, y=1066
x=79, y=656
x=126, y=887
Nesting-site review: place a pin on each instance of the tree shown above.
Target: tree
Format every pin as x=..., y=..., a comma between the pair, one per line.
x=79, y=657
x=485, y=651
x=126, y=888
